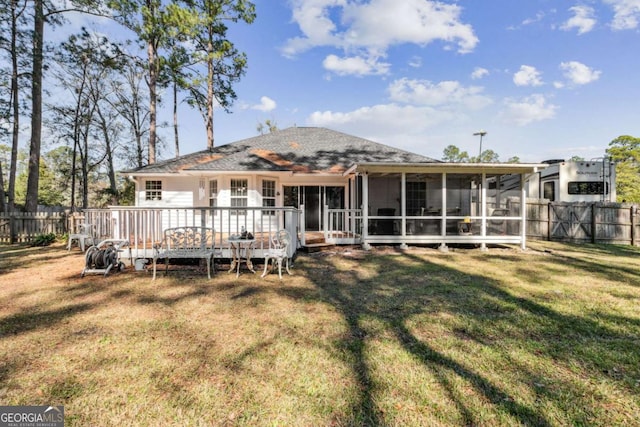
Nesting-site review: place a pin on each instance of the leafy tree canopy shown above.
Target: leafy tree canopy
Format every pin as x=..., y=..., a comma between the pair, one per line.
x=624, y=148
x=625, y=152
x=454, y=155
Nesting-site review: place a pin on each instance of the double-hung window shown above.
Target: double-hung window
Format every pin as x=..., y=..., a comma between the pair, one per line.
x=213, y=194
x=239, y=194
x=153, y=190
x=268, y=195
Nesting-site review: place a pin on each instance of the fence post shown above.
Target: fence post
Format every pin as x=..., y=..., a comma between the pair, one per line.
x=593, y=223
x=12, y=228
x=633, y=224
x=549, y=231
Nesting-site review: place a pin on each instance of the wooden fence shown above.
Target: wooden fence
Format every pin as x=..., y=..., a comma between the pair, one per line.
x=604, y=222
x=615, y=223
x=24, y=227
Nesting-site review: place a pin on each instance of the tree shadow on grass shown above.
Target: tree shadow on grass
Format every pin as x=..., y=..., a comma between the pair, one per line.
x=594, y=259
x=354, y=306
x=13, y=257
x=30, y=320
x=404, y=287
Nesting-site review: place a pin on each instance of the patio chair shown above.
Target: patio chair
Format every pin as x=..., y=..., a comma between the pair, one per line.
x=278, y=252
x=83, y=233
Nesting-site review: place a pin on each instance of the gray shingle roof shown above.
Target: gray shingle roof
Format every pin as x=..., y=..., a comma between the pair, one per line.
x=296, y=149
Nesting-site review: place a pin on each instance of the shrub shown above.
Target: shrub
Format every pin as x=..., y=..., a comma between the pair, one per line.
x=44, y=239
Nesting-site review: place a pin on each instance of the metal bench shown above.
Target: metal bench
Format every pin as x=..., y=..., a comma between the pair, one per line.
x=185, y=243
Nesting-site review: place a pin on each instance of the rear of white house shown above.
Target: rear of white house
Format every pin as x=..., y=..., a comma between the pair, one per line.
x=316, y=181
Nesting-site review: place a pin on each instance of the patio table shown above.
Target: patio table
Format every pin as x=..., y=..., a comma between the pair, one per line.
x=241, y=252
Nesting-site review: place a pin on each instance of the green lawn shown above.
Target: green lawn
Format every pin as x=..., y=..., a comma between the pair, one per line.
x=546, y=337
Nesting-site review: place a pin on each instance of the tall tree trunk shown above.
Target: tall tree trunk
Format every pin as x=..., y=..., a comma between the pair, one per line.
x=33, y=179
x=210, y=94
x=76, y=137
x=16, y=134
x=84, y=152
x=175, y=118
x=111, y=172
x=136, y=122
x=2, y=195
x=85, y=171
x=74, y=159
x=153, y=78
x=15, y=106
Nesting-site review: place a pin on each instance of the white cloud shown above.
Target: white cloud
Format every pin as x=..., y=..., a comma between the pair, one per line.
x=415, y=62
x=582, y=19
x=527, y=76
x=531, y=109
x=446, y=93
x=312, y=16
x=382, y=23
x=266, y=104
x=626, y=14
x=415, y=106
x=578, y=73
x=382, y=119
x=479, y=73
x=529, y=21
x=539, y=16
x=371, y=27
x=355, y=65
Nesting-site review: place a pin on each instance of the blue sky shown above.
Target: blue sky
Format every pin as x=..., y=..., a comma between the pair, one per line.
x=545, y=79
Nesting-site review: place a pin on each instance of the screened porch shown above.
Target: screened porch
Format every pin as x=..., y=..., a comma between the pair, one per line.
x=429, y=206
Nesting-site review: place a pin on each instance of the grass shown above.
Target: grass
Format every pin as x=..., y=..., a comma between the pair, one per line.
x=548, y=337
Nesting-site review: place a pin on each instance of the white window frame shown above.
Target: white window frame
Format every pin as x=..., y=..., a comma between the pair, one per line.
x=272, y=197
x=153, y=190
x=235, y=197
x=213, y=189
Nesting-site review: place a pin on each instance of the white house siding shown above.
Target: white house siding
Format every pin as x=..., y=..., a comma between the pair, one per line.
x=176, y=191
x=193, y=191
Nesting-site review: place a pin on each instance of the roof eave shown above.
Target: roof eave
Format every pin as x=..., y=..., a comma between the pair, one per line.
x=503, y=168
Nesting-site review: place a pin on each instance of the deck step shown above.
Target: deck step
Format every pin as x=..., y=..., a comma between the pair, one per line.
x=314, y=240
x=318, y=247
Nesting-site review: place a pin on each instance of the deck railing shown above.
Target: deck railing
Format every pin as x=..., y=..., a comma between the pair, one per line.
x=347, y=226
x=343, y=226
x=143, y=227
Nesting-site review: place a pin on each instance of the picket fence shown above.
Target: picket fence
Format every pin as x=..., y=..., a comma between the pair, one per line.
x=25, y=227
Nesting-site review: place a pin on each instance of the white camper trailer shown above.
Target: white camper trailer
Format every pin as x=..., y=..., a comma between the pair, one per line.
x=575, y=181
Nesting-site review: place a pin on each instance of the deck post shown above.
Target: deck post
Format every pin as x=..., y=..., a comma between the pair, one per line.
x=523, y=214
x=365, y=212
x=443, y=212
x=302, y=225
x=403, y=210
x=483, y=213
